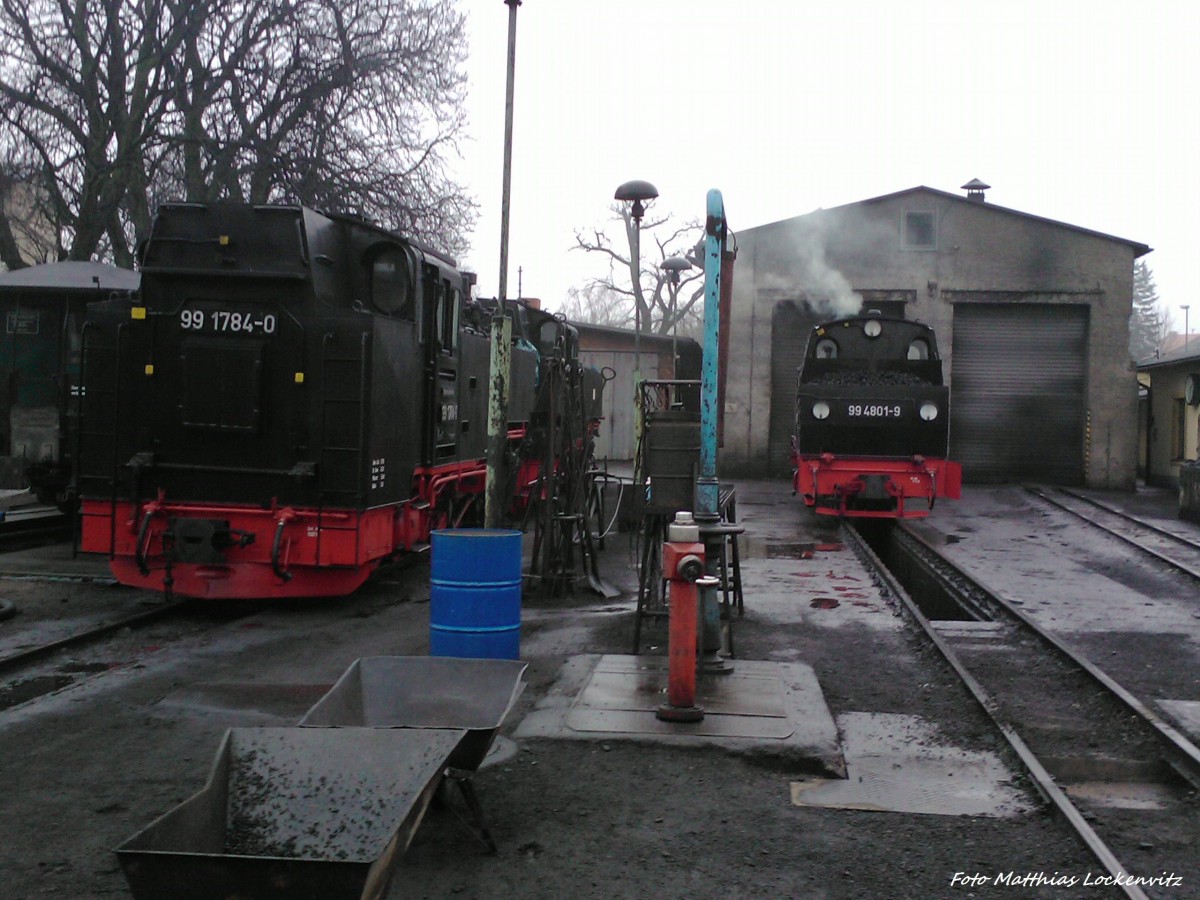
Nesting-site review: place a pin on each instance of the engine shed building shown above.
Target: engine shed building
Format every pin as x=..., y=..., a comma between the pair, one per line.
x=1170, y=430
x=615, y=351
x=1031, y=315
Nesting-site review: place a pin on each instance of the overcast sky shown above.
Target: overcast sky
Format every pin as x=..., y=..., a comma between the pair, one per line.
x=1085, y=112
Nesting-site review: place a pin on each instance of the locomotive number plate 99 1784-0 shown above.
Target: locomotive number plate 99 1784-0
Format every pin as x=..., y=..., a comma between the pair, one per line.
x=228, y=321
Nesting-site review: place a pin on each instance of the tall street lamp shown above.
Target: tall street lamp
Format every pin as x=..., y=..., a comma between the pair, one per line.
x=638, y=193
x=674, y=266
x=501, y=332
x=1186, y=330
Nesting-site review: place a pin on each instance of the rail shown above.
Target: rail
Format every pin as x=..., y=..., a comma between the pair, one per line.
x=1179, y=752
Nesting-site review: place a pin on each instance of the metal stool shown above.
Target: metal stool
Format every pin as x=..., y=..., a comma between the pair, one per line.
x=731, y=580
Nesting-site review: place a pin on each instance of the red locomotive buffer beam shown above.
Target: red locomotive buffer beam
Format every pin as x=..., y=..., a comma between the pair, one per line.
x=235, y=552
x=882, y=488
x=230, y=551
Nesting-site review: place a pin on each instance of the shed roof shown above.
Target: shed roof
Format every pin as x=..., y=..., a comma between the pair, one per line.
x=1139, y=249
x=1186, y=354
x=650, y=338
x=70, y=276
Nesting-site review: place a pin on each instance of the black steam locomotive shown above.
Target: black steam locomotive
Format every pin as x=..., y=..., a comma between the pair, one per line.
x=872, y=420
x=293, y=398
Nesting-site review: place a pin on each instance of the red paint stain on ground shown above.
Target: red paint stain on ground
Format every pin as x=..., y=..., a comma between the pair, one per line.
x=824, y=603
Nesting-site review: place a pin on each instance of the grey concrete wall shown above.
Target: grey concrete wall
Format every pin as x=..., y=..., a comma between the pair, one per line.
x=834, y=253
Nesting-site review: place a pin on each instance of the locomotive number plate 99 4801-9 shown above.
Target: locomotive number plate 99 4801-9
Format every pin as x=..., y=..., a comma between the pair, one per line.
x=228, y=321
x=869, y=410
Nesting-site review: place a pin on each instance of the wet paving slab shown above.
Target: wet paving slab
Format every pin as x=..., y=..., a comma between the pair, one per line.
x=760, y=708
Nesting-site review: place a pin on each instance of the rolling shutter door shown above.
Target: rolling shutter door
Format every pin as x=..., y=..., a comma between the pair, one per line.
x=1017, y=392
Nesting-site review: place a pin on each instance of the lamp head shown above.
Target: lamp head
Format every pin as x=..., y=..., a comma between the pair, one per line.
x=638, y=192
x=674, y=266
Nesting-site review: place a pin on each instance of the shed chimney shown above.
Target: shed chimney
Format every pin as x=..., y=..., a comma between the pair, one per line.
x=975, y=189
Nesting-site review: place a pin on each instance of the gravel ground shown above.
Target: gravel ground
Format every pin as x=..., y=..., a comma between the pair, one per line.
x=89, y=767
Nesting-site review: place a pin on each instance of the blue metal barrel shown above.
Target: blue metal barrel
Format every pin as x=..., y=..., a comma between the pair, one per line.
x=475, y=601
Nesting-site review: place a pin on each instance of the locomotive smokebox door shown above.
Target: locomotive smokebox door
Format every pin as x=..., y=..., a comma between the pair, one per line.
x=198, y=541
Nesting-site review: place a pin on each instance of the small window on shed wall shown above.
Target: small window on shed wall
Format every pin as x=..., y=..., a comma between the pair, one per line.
x=920, y=230
x=1178, y=428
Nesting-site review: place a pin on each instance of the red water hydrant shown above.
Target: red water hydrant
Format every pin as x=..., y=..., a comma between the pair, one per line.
x=682, y=565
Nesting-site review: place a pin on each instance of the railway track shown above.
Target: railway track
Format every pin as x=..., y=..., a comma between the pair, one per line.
x=34, y=665
x=44, y=666
x=1124, y=779
x=1174, y=549
x=14, y=662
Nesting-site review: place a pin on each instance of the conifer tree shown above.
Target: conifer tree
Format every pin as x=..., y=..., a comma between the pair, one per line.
x=1145, y=320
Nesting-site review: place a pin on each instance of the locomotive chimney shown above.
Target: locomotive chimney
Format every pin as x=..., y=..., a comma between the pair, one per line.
x=975, y=189
x=532, y=302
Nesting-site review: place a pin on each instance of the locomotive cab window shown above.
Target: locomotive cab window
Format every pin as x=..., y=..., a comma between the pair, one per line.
x=918, y=349
x=827, y=348
x=447, y=316
x=547, y=336
x=391, y=285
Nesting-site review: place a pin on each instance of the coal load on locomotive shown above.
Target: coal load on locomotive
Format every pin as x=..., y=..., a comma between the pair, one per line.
x=872, y=420
x=294, y=398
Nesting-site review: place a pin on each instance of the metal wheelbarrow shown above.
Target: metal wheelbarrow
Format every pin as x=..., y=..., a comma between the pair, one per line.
x=420, y=692
x=303, y=814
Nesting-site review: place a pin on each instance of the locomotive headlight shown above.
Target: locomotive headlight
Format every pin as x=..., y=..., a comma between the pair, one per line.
x=872, y=328
x=820, y=410
x=929, y=411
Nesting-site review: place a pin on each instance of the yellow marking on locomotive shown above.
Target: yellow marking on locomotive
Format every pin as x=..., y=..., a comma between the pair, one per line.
x=149, y=368
x=299, y=378
x=138, y=312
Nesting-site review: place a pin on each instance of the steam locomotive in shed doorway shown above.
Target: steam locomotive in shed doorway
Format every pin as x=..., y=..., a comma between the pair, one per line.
x=872, y=420
x=294, y=398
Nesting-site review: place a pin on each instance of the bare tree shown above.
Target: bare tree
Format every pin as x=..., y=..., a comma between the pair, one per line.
x=109, y=106
x=644, y=287
x=1166, y=328
x=596, y=304
x=352, y=107
x=80, y=93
